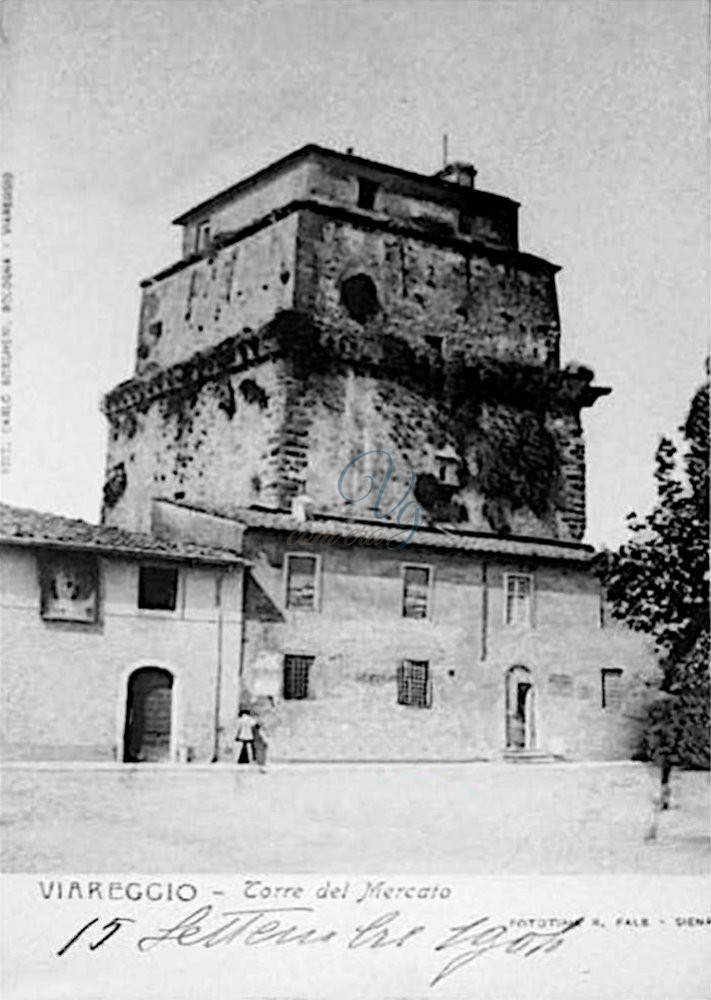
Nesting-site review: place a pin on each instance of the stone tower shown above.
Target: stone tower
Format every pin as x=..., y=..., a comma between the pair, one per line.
x=329, y=306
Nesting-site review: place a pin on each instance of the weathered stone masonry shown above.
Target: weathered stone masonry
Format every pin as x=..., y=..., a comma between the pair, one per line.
x=387, y=325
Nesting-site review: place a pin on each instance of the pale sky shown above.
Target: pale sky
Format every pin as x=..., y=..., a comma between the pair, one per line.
x=591, y=113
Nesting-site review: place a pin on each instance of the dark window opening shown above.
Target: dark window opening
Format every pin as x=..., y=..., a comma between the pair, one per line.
x=157, y=588
x=611, y=688
x=202, y=236
x=416, y=585
x=413, y=684
x=296, y=677
x=367, y=191
x=360, y=297
x=155, y=330
x=466, y=224
x=301, y=583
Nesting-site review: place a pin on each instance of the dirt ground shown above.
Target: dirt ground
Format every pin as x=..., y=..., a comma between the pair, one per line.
x=475, y=819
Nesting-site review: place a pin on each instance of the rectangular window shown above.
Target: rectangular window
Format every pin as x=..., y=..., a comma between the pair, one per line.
x=367, y=191
x=519, y=594
x=415, y=591
x=413, y=684
x=301, y=582
x=296, y=677
x=611, y=688
x=69, y=588
x=157, y=588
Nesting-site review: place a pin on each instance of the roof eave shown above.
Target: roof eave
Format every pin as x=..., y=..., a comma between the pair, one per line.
x=118, y=550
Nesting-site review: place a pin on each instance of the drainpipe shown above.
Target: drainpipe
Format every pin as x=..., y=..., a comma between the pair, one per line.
x=484, y=610
x=218, y=671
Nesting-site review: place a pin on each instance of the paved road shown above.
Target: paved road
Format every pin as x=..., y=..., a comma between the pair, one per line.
x=478, y=819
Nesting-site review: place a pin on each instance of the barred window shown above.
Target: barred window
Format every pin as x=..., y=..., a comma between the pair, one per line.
x=296, y=677
x=158, y=588
x=301, y=582
x=415, y=593
x=414, y=686
x=611, y=688
x=69, y=587
x=519, y=590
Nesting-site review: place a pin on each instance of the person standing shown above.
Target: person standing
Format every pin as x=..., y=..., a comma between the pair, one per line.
x=246, y=725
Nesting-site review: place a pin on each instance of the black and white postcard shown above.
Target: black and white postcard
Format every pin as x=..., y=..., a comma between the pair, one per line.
x=354, y=438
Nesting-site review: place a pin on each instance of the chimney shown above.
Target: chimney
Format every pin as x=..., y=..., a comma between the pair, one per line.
x=301, y=508
x=458, y=172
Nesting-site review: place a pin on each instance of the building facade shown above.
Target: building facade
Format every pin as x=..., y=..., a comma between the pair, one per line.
x=457, y=646
x=331, y=307
x=115, y=646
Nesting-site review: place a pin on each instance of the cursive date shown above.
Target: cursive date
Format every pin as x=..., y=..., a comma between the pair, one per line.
x=252, y=927
x=477, y=939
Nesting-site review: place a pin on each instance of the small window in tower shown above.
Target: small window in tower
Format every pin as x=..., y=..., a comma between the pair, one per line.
x=466, y=224
x=415, y=591
x=611, y=679
x=367, y=191
x=157, y=588
x=360, y=297
x=296, y=677
x=202, y=236
x=301, y=582
x=518, y=602
x=447, y=464
x=414, y=686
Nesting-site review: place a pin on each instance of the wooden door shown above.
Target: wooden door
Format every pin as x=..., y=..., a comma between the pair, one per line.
x=149, y=710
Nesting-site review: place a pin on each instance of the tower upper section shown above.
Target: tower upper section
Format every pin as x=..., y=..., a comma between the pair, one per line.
x=447, y=202
x=329, y=306
x=432, y=257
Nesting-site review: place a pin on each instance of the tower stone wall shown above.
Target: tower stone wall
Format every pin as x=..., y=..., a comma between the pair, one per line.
x=319, y=322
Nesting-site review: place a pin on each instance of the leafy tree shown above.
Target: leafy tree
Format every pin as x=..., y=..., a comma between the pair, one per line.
x=658, y=583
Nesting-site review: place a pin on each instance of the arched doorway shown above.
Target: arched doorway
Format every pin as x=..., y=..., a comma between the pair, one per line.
x=520, y=709
x=149, y=713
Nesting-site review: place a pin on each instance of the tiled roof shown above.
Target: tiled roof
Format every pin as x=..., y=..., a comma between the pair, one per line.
x=440, y=537
x=21, y=526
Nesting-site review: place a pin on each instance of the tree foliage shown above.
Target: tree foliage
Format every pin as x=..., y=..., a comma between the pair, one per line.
x=658, y=583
